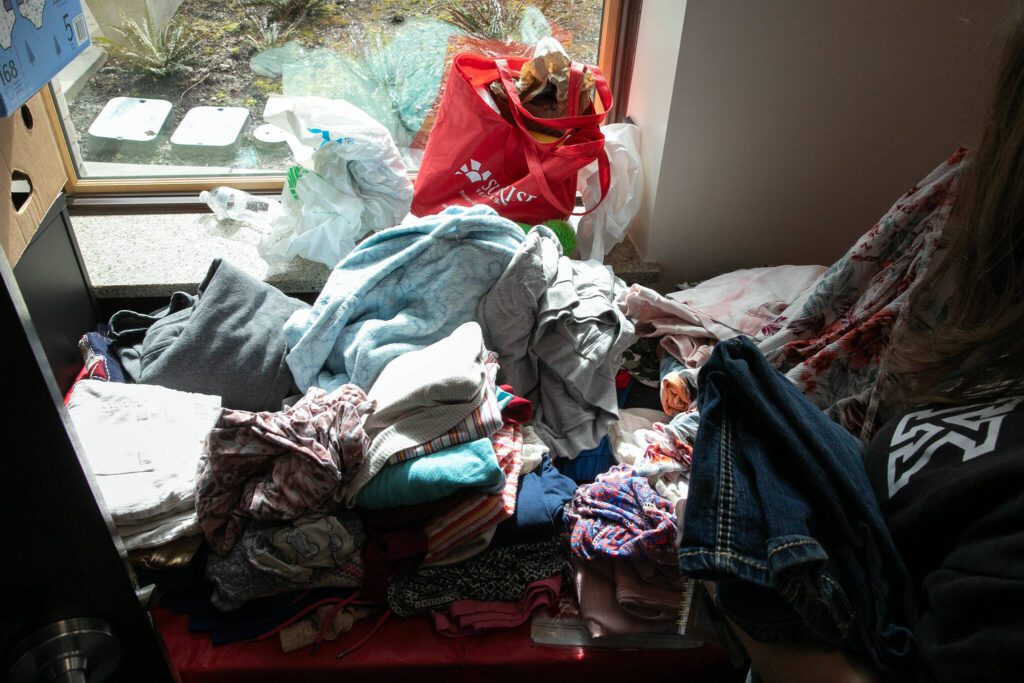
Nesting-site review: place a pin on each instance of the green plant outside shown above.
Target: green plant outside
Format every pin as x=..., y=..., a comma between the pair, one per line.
x=174, y=50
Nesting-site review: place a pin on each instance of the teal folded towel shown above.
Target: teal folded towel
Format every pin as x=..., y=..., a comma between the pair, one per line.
x=432, y=477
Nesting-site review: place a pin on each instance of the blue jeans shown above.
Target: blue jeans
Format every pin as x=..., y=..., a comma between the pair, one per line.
x=780, y=513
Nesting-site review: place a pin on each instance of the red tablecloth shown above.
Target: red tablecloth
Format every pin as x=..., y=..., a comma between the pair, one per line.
x=410, y=650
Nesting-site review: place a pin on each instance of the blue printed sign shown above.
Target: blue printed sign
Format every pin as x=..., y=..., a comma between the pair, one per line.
x=37, y=39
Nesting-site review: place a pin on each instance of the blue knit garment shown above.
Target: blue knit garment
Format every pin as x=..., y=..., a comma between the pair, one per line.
x=433, y=476
x=401, y=289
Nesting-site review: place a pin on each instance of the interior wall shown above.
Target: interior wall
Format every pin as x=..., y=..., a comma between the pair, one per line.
x=650, y=98
x=794, y=124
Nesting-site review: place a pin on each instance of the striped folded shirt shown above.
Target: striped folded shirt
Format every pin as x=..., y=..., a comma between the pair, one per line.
x=481, y=423
x=446, y=532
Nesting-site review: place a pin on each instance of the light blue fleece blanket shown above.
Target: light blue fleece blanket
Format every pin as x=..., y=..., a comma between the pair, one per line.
x=401, y=289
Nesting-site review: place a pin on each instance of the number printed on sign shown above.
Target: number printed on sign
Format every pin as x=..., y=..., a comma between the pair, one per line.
x=76, y=30
x=8, y=71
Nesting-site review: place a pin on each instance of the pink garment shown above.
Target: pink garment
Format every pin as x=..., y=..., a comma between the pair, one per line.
x=279, y=466
x=690, y=322
x=646, y=592
x=595, y=589
x=470, y=617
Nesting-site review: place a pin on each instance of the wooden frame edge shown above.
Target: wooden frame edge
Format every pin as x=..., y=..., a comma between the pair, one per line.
x=627, y=32
x=112, y=186
x=609, y=39
x=57, y=126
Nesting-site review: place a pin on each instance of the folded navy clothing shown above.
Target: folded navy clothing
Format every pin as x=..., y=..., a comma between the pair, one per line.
x=585, y=467
x=95, y=344
x=639, y=395
x=251, y=620
x=541, y=496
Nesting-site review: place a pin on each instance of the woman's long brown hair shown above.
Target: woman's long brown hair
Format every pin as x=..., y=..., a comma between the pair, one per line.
x=977, y=348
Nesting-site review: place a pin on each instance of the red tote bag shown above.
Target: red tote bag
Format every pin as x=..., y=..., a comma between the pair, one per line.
x=475, y=156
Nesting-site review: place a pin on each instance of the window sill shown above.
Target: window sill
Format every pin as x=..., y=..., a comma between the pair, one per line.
x=155, y=255
x=135, y=256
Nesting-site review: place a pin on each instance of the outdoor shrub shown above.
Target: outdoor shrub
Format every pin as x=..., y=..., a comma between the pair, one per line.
x=496, y=19
x=173, y=50
x=267, y=34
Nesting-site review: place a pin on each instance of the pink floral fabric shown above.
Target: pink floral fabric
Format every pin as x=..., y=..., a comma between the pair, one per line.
x=690, y=322
x=667, y=451
x=279, y=466
x=830, y=343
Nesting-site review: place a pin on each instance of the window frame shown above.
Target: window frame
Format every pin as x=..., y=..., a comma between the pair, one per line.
x=173, y=194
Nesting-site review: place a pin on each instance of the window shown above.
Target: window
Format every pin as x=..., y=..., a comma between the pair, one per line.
x=171, y=94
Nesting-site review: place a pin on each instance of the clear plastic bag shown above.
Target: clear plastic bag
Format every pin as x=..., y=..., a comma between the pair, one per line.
x=598, y=232
x=358, y=182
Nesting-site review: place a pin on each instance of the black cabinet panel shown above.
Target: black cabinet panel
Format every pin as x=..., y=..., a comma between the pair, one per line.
x=57, y=293
x=61, y=556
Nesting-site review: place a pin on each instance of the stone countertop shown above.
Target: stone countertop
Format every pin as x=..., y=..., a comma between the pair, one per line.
x=155, y=255
x=134, y=256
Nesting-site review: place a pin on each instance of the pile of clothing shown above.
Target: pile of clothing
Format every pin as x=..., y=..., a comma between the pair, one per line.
x=623, y=542
x=750, y=362
x=267, y=496
x=144, y=443
x=826, y=330
x=388, y=446
x=396, y=446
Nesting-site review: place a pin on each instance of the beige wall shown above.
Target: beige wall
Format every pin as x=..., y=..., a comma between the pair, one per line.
x=792, y=125
x=650, y=98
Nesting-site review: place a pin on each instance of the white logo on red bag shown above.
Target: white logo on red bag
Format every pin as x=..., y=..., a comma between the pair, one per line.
x=472, y=171
x=492, y=189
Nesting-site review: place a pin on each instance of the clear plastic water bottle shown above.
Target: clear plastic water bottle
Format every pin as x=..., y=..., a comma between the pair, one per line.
x=227, y=202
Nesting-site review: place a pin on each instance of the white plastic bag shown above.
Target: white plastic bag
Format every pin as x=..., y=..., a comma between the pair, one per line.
x=358, y=183
x=598, y=232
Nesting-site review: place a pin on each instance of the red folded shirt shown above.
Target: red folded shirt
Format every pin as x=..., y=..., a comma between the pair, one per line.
x=471, y=617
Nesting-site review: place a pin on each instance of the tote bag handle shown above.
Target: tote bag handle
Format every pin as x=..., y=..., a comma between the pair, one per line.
x=530, y=144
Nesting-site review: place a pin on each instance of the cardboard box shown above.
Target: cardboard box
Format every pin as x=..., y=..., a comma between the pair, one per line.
x=37, y=39
x=28, y=151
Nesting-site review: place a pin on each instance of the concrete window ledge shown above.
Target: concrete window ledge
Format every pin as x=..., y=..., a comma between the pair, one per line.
x=136, y=256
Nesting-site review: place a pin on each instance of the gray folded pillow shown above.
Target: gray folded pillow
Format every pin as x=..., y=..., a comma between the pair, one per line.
x=227, y=340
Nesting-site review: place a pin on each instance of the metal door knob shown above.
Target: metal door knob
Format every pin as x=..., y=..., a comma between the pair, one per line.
x=80, y=650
